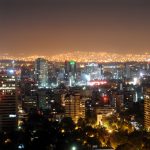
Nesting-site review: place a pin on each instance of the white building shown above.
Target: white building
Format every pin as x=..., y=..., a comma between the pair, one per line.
x=41, y=73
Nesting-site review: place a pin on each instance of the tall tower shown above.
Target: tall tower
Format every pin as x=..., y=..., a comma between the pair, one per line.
x=8, y=100
x=70, y=72
x=41, y=73
x=127, y=71
x=147, y=109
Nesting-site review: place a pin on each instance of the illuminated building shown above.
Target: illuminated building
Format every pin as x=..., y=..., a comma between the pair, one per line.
x=113, y=70
x=75, y=107
x=147, y=109
x=118, y=100
x=8, y=100
x=43, y=99
x=103, y=112
x=127, y=72
x=30, y=102
x=70, y=72
x=94, y=71
x=148, y=67
x=129, y=98
x=26, y=73
x=28, y=85
x=41, y=73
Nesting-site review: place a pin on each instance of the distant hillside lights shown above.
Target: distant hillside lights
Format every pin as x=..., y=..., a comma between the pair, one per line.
x=80, y=56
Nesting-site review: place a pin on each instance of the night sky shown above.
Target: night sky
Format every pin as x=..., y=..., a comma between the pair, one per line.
x=55, y=26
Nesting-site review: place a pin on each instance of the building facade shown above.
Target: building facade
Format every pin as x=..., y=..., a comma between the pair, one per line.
x=75, y=107
x=70, y=72
x=41, y=73
x=8, y=100
x=147, y=109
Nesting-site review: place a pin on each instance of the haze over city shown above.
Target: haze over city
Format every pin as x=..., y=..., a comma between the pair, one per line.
x=51, y=27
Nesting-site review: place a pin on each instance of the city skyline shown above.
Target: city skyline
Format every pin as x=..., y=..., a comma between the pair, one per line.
x=50, y=27
x=74, y=74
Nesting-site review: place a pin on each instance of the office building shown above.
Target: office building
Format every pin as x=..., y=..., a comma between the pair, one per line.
x=70, y=72
x=41, y=73
x=8, y=100
x=94, y=71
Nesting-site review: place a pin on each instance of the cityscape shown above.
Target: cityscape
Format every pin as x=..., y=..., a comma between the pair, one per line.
x=76, y=105
x=74, y=75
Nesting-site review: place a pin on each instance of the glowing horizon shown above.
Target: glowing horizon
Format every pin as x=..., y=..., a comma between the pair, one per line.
x=87, y=57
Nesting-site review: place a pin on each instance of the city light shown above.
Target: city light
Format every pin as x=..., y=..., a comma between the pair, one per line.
x=12, y=116
x=110, y=131
x=21, y=146
x=11, y=71
x=86, y=57
x=73, y=148
x=72, y=62
x=99, y=82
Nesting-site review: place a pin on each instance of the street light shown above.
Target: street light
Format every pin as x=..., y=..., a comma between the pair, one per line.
x=74, y=148
x=110, y=131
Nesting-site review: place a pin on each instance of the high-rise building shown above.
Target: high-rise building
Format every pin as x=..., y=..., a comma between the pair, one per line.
x=127, y=71
x=70, y=72
x=41, y=73
x=43, y=99
x=94, y=71
x=75, y=107
x=147, y=109
x=8, y=100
